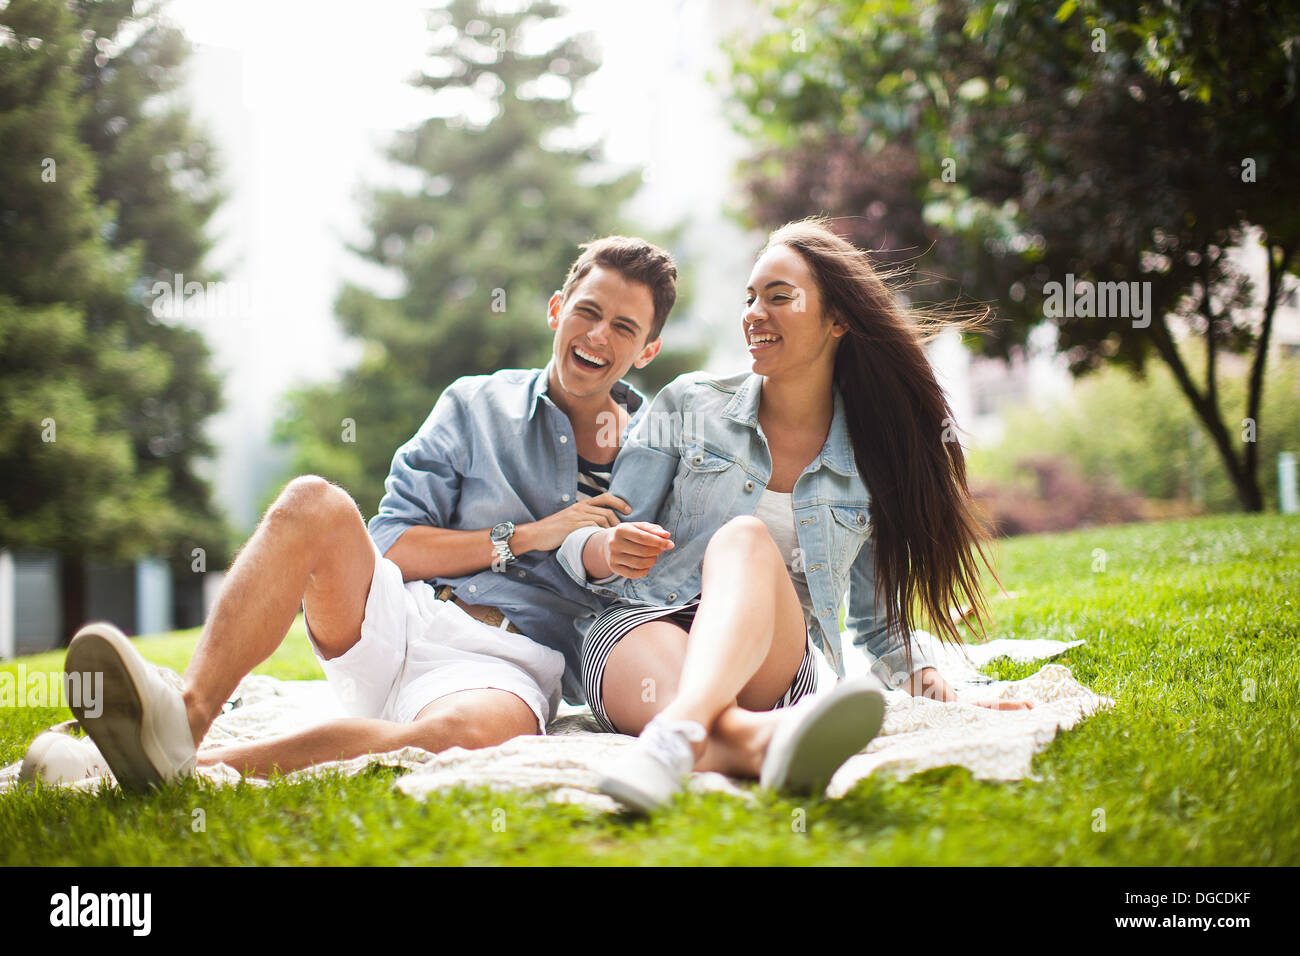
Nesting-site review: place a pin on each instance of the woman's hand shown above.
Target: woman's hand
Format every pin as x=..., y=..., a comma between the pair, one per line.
x=632, y=548
x=993, y=704
x=928, y=682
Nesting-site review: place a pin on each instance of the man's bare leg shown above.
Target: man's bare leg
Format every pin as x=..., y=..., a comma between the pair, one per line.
x=311, y=548
x=470, y=718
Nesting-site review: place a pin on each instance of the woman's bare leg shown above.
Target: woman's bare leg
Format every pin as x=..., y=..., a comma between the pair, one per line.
x=640, y=680
x=743, y=652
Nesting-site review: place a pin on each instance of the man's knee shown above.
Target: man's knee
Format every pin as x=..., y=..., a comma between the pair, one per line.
x=310, y=501
x=472, y=720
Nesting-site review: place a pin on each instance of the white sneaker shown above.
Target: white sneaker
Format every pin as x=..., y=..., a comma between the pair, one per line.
x=652, y=770
x=141, y=729
x=61, y=758
x=820, y=733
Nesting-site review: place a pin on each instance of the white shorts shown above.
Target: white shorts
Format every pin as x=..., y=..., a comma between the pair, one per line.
x=414, y=649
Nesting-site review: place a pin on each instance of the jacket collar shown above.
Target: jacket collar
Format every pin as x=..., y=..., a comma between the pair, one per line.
x=837, y=453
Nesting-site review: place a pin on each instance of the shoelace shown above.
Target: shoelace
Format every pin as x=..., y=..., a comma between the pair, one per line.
x=670, y=741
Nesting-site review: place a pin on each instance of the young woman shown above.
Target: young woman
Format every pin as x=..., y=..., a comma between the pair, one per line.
x=758, y=501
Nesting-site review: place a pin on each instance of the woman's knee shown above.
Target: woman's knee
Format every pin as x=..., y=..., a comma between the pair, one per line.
x=745, y=535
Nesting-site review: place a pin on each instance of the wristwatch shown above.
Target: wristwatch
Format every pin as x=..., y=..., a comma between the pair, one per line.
x=501, y=535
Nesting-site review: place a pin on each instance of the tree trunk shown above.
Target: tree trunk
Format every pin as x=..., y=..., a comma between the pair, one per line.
x=72, y=587
x=1244, y=479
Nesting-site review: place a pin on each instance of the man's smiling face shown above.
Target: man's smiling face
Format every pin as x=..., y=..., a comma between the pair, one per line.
x=600, y=332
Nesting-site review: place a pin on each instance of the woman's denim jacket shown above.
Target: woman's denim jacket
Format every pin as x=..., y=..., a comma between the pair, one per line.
x=699, y=458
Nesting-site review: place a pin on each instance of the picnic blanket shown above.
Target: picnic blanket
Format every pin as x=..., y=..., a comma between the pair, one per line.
x=918, y=733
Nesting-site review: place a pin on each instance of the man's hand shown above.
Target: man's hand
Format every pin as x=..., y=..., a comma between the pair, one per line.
x=549, y=533
x=632, y=548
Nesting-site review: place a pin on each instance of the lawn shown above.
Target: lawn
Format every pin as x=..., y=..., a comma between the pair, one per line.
x=1191, y=626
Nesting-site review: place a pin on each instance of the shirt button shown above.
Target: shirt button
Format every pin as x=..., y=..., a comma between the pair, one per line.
x=521, y=574
x=564, y=497
x=861, y=518
x=673, y=596
x=564, y=439
x=749, y=486
x=472, y=589
x=699, y=459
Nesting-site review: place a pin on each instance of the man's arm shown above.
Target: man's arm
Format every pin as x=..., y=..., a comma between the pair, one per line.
x=422, y=492
x=424, y=552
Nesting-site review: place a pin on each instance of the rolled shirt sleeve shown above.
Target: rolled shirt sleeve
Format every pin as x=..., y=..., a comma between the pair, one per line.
x=865, y=624
x=423, y=484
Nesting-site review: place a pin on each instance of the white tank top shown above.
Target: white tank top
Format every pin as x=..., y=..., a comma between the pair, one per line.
x=776, y=510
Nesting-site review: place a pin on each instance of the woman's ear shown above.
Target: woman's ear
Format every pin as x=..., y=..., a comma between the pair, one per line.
x=838, y=326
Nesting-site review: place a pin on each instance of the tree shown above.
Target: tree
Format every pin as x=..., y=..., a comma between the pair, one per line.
x=85, y=374
x=1108, y=140
x=504, y=197
x=159, y=177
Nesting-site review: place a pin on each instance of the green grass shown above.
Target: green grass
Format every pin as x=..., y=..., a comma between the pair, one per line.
x=1192, y=627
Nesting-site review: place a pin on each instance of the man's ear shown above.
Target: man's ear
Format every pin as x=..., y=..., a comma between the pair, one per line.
x=648, y=353
x=553, y=310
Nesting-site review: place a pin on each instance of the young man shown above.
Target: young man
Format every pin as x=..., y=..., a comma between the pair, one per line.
x=504, y=468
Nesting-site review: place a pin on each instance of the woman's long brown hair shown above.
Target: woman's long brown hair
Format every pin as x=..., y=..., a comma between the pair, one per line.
x=926, y=525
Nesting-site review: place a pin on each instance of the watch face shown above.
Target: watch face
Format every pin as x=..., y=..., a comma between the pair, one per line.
x=502, y=531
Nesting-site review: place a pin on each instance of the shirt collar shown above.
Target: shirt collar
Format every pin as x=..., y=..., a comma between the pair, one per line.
x=837, y=453
x=622, y=392
x=537, y=388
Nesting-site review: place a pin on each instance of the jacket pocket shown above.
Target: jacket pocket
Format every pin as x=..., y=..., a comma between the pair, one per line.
x=851, y=527
x=701, y=475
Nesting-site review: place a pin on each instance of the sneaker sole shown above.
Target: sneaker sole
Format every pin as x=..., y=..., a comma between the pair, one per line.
x=120, y=730
x=835, y=730
x=629, y=797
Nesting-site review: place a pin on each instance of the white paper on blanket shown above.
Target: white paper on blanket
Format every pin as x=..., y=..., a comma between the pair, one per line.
x=918, y=733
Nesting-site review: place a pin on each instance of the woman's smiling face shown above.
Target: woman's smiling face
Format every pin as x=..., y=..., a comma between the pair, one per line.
x=783, y=320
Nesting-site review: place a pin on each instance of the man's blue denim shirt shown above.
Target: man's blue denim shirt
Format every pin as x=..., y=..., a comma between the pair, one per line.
x=698, y=458
x=496, y=448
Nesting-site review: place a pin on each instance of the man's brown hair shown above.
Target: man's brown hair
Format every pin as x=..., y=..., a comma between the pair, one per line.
x=637, y=261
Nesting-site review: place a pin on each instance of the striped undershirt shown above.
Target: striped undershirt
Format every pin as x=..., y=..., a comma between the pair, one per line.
x=593, y=479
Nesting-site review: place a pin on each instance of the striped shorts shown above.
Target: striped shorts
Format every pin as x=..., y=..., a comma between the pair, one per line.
x=618, y=621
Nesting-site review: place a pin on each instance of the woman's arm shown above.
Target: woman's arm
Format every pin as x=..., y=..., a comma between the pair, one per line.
x=643, y=477
x=866, y=626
